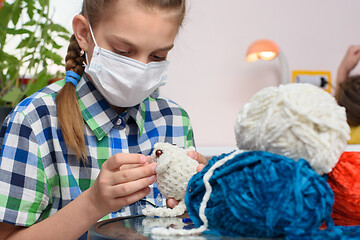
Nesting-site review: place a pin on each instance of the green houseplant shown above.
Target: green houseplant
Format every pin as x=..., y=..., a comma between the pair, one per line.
x=28, y=46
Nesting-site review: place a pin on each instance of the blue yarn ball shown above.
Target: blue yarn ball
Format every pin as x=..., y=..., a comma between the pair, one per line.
x=260, y=194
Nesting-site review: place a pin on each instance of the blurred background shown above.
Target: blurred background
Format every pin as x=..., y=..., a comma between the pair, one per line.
x=208, y=74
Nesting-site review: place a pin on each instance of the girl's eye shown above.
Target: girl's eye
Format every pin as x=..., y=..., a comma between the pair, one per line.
x=158, y=58
x=124, y=53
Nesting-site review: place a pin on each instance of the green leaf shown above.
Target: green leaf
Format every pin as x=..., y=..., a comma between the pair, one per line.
x=42, y=80
x=54, y=44
x=27, y=54
x=44, y=3
x=63, y=36
x=56, y=58
x=14, y=95
x=12, y=75
x=5, y=57
x=9, y=65
x=29, y=43
x=16, y=12
x=18, y=31
x=30, y=8
x=57, y=28
x=33, y=62
x=30, y=23
x=5, y=14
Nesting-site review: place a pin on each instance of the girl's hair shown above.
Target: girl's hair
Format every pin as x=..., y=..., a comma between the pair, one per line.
x=68, y=110
x=348, y=96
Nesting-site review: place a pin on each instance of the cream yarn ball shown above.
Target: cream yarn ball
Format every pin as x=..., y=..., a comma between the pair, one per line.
x=296, y=120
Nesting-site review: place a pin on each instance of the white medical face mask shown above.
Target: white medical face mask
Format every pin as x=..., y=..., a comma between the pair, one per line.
x=123, y=81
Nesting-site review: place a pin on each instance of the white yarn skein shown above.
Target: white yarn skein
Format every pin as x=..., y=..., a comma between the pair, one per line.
x=297, y=121
x=174, y=169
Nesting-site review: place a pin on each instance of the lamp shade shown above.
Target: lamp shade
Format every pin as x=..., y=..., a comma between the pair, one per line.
x=264, y=49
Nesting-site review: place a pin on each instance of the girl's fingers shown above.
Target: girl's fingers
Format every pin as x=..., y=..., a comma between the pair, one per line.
x=198, y=157
x=171, y=202
x=120, y=159
x=129, y=166
x=200, y=167
x=133, y=174
x=125, y=201
x=129, y=188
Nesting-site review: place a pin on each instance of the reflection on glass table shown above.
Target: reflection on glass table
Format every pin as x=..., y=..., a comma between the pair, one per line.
x=139, y=228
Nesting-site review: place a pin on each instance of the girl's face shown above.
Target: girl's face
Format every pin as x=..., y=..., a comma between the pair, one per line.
x=134, y=31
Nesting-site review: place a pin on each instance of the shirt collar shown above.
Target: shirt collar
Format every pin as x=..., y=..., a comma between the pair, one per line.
x=98, y=114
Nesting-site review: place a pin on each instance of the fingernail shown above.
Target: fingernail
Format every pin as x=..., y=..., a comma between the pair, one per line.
x=152, y=178
x=142, y=159
x=193, y=155
x=153, y=167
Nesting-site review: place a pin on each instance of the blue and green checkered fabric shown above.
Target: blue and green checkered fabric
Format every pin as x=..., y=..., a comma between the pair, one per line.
x=39, y=175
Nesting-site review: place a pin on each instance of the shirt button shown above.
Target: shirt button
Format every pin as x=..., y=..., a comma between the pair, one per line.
x=118, y=122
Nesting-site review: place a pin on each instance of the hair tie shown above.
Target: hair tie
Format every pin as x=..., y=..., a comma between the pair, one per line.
x=72, y=77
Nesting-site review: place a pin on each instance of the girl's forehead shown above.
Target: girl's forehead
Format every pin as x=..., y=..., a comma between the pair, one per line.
x=128, y=11
x=139, y=25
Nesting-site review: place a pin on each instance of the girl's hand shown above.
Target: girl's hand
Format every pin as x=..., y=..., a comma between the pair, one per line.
x=349, y=62
x=124, y=179
x=351, y=58
x=171, y=202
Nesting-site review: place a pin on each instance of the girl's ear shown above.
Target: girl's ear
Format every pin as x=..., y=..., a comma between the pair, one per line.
x=82, y=32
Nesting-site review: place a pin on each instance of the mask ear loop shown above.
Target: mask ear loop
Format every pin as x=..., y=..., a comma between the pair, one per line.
x=92, y=35
x=206, y=198
x=85, y=64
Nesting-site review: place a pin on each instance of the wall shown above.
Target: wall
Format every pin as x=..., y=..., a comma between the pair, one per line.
x=208, y=75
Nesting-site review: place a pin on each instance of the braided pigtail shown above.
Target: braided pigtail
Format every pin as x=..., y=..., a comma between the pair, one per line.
x=68, y=110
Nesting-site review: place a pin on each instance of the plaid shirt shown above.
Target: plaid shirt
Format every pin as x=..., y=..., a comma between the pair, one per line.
x=39, y=175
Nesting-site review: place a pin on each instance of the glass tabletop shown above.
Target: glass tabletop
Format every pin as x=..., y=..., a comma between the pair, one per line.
x=139, y=228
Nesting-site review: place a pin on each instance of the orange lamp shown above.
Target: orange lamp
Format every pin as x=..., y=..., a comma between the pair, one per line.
x=267, y=50
x=264, y=49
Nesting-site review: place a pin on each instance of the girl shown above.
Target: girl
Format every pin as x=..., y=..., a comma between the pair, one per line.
x=347, y=91
x=74, y=152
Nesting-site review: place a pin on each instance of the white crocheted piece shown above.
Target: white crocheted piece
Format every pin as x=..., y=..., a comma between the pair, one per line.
x=297, y=121
x=166, y=222
x=148, y=225
x=174, y=169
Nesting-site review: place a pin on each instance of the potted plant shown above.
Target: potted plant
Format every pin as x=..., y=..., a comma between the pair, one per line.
x=28, y=46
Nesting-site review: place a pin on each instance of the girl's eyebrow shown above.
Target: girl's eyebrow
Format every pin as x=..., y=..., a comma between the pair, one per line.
x=128, y=43
x=124, y=41
x=165, y=48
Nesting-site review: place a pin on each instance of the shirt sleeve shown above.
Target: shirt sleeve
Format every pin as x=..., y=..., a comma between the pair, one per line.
x=189, y=142
x=23, y=188
x=188, y=130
